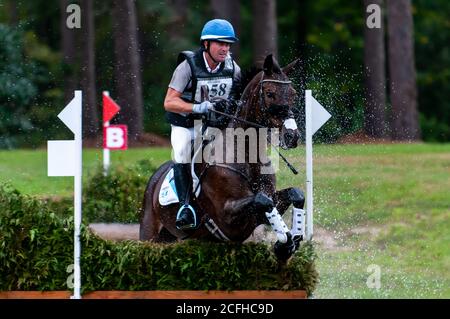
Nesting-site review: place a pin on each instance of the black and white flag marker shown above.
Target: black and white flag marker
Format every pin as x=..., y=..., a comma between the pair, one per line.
x=64, y=158
x=316, y=116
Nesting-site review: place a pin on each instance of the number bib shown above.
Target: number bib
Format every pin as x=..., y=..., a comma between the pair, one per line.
x=218, y=87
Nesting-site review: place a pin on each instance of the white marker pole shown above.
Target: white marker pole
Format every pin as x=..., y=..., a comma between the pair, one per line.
x=77, y=200
x=106, y=155
x=315, y=116
x=64, y=158
x=309, y=165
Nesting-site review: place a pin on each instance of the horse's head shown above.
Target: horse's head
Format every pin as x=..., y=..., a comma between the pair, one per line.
x=273, y=98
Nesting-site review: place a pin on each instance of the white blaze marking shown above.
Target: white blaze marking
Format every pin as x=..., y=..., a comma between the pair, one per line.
x=290, y=124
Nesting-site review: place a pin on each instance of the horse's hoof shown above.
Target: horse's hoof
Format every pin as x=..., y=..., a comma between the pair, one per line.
x=284, y=250
x=297, y=239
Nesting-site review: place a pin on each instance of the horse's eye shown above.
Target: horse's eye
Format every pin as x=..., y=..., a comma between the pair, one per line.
x=270, y=95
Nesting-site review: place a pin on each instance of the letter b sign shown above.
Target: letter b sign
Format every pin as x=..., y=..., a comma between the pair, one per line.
x=115, y=137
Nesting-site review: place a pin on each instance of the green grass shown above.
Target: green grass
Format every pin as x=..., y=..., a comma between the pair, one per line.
x=27, y=169
x=387, y=205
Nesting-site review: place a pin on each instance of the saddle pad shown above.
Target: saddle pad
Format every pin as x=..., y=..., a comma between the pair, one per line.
x=168, y=193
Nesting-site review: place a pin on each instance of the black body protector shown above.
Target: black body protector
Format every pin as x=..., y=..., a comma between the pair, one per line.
x=220, y=85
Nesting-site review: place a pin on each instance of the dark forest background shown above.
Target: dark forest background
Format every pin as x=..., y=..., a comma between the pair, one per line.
x=389, y=83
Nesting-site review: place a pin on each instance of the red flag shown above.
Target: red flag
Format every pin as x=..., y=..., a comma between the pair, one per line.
x=110, y=108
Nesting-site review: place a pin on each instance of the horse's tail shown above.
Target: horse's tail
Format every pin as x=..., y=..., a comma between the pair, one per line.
x=149, y=222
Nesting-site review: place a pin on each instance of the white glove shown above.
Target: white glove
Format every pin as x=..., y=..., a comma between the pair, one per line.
x=203, y=107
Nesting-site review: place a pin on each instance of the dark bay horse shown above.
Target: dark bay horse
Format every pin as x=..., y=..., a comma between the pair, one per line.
x=235, y=195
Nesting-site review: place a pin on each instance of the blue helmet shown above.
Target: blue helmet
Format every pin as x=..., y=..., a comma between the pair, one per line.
x=218, y=30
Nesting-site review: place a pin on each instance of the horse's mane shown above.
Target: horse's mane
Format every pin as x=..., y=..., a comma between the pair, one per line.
x=246, y=77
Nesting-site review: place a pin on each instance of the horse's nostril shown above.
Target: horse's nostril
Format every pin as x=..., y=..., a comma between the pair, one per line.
x=289, y=137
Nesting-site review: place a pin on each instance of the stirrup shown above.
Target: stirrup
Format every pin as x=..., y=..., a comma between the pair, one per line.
x=193, y=214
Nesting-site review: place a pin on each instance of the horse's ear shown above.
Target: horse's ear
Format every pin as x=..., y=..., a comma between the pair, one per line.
x=271, y=65
x=294, y=65
x=268, y=65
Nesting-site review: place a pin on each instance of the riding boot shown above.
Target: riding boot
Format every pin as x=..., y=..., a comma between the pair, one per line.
x=186, y=218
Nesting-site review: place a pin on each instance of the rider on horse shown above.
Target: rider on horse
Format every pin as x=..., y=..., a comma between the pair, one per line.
x=213, y=66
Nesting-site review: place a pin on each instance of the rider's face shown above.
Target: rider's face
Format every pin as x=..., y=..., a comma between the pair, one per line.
x=219, y=50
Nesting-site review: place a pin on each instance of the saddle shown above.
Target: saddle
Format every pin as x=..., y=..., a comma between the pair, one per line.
x=168, y=192
x=168, y=195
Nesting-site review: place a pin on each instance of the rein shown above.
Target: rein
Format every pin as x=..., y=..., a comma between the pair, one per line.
x=261, y=94
x=209, y=223
x=292, y=168
x=238, y=119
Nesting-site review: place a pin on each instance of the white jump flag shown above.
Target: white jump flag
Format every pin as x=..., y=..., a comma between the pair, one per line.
x=64, y=158
x=316, y=116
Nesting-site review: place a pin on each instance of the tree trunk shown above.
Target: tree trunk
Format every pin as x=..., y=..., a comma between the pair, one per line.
x=264, y=29
x=69, y=56
x=13, y=13
x=229, y=10
x=127, y=67
x=374, y=78
x=178, y=19
x=90, y=113
x=302, y=53
x=402, y=73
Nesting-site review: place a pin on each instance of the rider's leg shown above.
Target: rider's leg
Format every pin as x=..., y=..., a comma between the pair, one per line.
x=186, y=216
x=181, y=143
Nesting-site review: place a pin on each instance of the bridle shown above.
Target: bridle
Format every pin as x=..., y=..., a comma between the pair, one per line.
x=273, y=109
x=261, y=96
x=263, y=103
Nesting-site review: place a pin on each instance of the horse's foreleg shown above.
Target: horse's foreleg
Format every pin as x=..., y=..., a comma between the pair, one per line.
x=286, y=197
x=285, y=246
x=240, y=216
x=291, y=195
x=263, y=203
x=251, y=204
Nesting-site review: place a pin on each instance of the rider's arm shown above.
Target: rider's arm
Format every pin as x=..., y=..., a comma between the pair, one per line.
x=174, y=103
x=180, y=80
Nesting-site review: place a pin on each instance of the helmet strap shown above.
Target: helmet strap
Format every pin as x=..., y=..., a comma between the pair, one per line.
x=208, y=45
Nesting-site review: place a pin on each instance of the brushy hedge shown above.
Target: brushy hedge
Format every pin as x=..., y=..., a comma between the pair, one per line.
x=36, y=247
x=116, y=198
